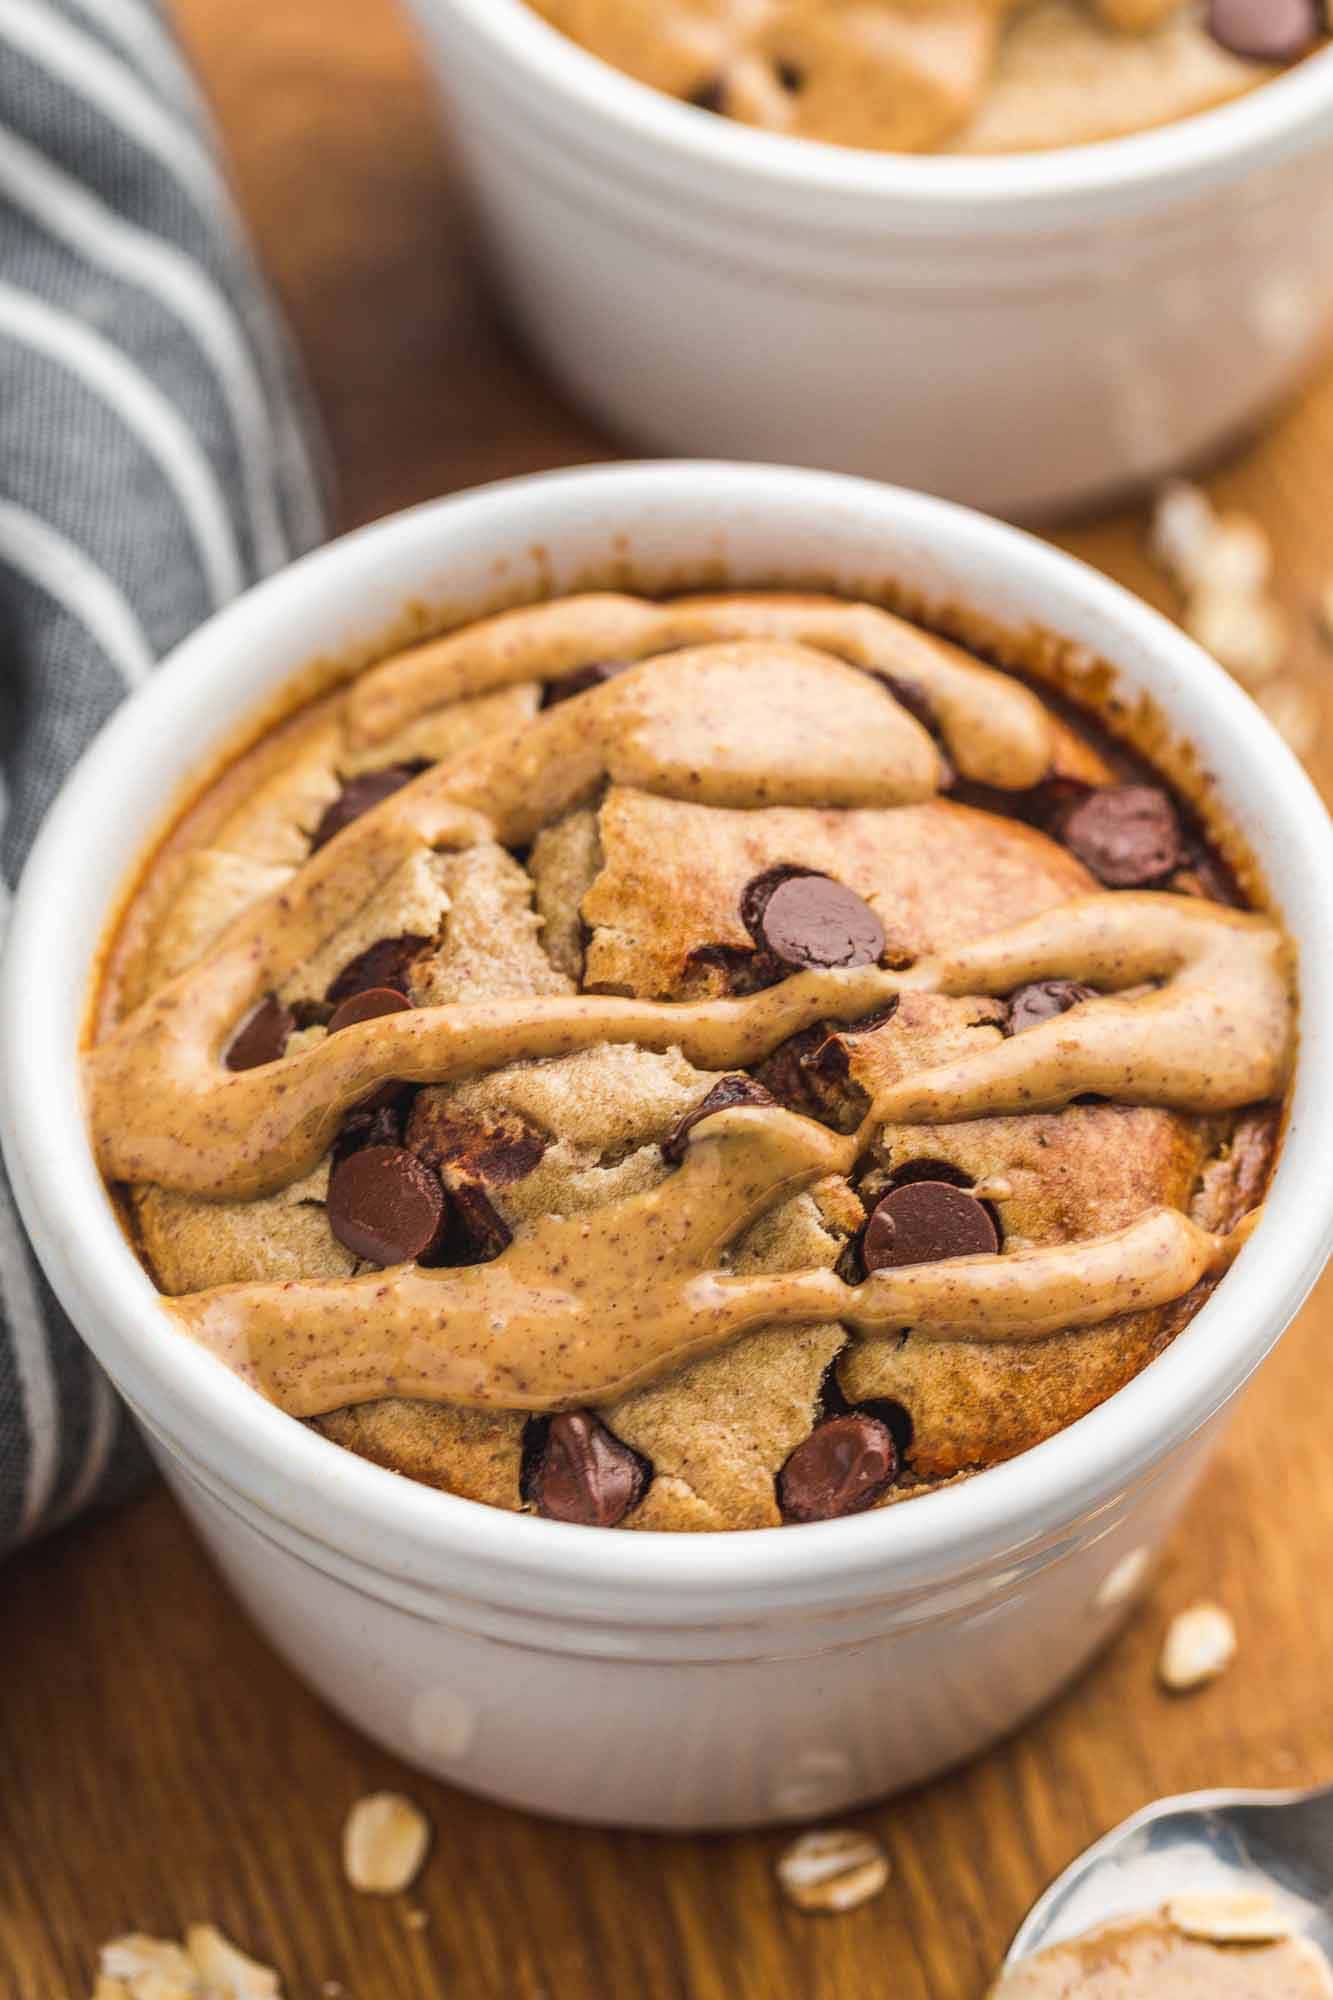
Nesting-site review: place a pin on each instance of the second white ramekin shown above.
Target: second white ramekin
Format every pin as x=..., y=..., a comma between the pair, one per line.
x=655, y=1680
x=1023, y=334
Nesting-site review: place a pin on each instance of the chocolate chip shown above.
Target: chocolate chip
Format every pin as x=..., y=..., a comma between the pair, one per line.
x=924, y=1222
x=473, y=1155
x=1272, y=31
x=799, y=1068
x=755, y=896
x=1128, y=835
x=742, y=971
x=1042, y=1001
x=479, y=1232
x=262, y=1036
x=870, y=1023
x=596, y=674
x=811, y=1071
x=728, y=1090
x=807, y=920
x=358, y=795
x=790, y=77
x=373, y=1124
x=385, y=1204
x=368, y=1006
x=827, y=1056
x=843, y=1467
x=386, y=963
x=499, y=1150
x=585, y=1474
x=311, y=1013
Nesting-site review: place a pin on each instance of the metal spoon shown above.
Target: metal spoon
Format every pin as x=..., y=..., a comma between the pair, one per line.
x=1210, y=1842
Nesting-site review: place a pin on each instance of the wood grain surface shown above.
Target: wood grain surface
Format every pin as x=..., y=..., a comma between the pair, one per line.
x=158, y=1765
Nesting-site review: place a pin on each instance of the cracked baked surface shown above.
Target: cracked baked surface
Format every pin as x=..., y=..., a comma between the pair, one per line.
x=651, y=835
x=965, y=76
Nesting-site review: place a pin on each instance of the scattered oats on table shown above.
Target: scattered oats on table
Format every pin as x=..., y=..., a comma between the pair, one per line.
x=1245, y=634
x=207, y=1966
x=832, y=1869
x=1222, y=564
x=1200, y=1645
x=385, y=1838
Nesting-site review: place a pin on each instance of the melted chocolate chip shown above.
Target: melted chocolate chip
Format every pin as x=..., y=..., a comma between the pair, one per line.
x=807, y=920
x=386, y=963
x=596, y=674
x=869, y=1023
x=385, y=1205
x=799, y=1068
x=728, y=1090
x=928, y=1170
x=473, y=1155
x=358, y=796
x=479, y=1233
x=1043, y=1001
x=755, y=895
x=1272, y=31
x=843, y=1467
x=811, y=1071
x=585, y=1474
x=371, y=1124
x=311, y=1013
x=368, y=1006
x=499, y=1150
x=742, y=971
x=827, y=1056
x=924, y=1222
x=1128, y=835
x=262, y=1036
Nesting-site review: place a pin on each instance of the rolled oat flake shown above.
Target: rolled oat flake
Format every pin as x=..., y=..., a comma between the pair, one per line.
x=832, y=1869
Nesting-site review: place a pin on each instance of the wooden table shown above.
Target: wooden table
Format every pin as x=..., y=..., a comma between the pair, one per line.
x=158, y=1765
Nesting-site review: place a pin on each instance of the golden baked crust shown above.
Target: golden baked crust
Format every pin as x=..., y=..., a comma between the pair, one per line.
x=624, y=891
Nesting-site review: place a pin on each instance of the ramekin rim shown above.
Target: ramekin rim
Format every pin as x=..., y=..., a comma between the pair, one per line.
x=1227, y=137
x=943, y=1532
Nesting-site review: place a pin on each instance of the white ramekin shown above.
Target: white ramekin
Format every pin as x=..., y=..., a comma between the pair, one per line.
x=1023, y=333
x=652, y=1679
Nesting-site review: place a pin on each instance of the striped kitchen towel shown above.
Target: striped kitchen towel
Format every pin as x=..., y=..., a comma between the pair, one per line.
x=154, y=460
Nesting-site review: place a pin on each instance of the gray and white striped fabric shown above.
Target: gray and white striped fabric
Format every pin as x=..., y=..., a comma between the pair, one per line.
x=154, y=460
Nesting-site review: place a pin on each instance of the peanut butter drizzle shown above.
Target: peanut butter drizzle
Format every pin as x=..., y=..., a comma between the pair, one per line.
x=583, y=1308
x=997, y=732
x=580, y=1308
